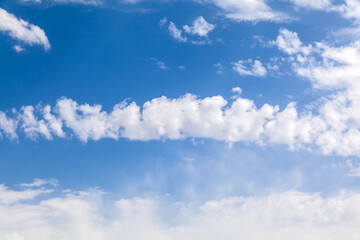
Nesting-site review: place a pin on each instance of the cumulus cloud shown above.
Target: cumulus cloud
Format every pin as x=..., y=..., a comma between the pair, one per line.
x=90, y=215
x=290, y=43
x=248, y=10
x=22, y=31
x=200, y=27
x=8, y=126
x=250, y=68
x=333, y=130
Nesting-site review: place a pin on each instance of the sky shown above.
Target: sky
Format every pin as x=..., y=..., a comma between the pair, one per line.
x=179, y=119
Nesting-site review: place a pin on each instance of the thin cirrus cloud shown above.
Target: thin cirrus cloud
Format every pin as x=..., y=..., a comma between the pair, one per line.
x=288, y=215
x=83, y=2
x=22, y=31
x=248, y=10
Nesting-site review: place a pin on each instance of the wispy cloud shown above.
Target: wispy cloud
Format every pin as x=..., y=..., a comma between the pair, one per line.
x=60, y=2
x=161, y=65
x=248, y=10
x=176, y=33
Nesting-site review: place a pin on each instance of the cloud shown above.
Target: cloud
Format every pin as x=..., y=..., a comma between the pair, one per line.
x=161, y=65
x=323, y=5
x=334, y=130
x=92, y=215
x=39, y=182
x=248, y=10
x=8, y=126
x=220, y=69
x=18, y=49
x=290, y=43
x=22, y=30
x=254, y=68
x=84, y=2
x=163, y=22
x=176, y=33
x=200, y=27
x=349, y=10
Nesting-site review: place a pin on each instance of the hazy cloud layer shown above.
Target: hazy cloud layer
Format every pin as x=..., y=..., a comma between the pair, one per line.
x=85, y=215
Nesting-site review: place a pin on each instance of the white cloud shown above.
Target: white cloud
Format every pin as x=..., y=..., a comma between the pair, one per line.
x=161, y=65
x=33, y=127
x=39, y=182
x=331, y=126
x=8, y=126
x=220, y=69
x=334, y=130
x=248, y=10
x=8, y=196
x=22, y=30
x=323, y=5
x=18, y=48
x=350, y=10
x=290, y=43
x=354, y=171
x=250, y=68
x=200, y=27
x=176, y=33
x=84, y=2
x=89, y=215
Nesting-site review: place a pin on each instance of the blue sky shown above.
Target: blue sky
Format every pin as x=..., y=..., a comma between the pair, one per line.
x=203, y=119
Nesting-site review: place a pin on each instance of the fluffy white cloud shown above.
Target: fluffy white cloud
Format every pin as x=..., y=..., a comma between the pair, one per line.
x=290, y=43
x=333, y=130
x=22, y=30
x=90, y=215
x=8, y=196
x=248, y=10
x=250, y=68
x=200, y=27
x=350, y=10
